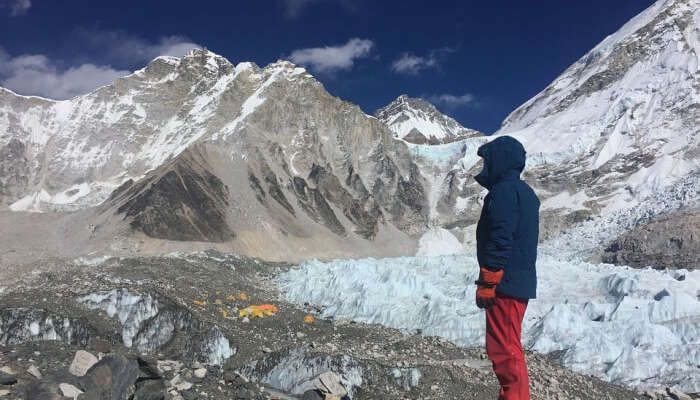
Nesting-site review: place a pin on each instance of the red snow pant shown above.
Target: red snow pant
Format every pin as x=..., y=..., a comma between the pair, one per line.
x=503, y=324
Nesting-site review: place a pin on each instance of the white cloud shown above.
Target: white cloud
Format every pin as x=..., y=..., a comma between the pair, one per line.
x=120, y=47
x=332, y=58
x=411, y=64
x=452, y=101
x=36, y=75
x=17, y=7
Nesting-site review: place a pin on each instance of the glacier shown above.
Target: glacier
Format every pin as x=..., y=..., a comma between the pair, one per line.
x=637, y=327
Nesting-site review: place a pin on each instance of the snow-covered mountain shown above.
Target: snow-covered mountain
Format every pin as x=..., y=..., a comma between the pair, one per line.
x=200, y=149
x=273, y=155
x=630, y=107
x=612, y=138
x=417, y=121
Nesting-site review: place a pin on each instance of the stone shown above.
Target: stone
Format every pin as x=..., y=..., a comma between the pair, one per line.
x=34, y=371
x=174, y=395
x=82, y=362
x=7, y=379
x=180, y=384
x=69, y=390
x=329, y=382
x=200, y=373
x=149, y=367
x=4, y=392
x=234, y=378
x=7, y=370
x=113, y=377
x=150, y=389
x=189, y=395
x=312, y=395
x=169, y=365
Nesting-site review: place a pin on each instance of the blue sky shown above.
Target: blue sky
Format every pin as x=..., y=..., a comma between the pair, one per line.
x=476, y=60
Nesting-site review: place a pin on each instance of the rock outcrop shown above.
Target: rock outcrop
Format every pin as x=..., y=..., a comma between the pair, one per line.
x=670, y=241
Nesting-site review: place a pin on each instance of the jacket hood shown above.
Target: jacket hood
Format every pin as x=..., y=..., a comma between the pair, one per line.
x=504, y=158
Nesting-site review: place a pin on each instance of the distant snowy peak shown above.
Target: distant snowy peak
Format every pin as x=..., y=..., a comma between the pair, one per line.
x=417, y=121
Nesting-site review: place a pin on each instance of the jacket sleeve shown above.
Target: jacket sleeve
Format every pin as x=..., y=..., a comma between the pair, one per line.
x=503, y=215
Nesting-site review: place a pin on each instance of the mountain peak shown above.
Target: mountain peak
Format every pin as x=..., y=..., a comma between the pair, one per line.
x=416, y=120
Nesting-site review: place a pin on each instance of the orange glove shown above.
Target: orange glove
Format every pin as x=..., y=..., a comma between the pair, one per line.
x=486, y=287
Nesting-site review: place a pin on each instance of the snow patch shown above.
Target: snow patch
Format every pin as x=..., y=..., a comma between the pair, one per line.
x=438, y=242
x=93, y=261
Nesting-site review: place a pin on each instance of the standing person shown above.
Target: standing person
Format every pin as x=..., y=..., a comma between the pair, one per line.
x=506, y=241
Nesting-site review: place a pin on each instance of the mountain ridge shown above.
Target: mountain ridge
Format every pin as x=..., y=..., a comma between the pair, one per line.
x=287, y=165
x=417, y=121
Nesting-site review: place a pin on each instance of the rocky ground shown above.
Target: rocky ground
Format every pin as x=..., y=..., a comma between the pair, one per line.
x=182, y=327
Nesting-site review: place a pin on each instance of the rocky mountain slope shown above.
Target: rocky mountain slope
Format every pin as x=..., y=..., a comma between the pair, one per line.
x=417, y=121
x=199, y=149
x=670, y=240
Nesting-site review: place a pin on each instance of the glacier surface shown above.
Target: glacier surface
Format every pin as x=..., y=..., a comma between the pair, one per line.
x=638, y=327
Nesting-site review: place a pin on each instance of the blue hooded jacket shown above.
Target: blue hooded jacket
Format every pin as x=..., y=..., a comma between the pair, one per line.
x=508, y=229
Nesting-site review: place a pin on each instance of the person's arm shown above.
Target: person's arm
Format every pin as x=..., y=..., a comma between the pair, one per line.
x=503, y=215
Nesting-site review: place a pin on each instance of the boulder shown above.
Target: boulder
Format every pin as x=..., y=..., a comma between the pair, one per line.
x=113, y=378
x=82, y=362
x=69, y=390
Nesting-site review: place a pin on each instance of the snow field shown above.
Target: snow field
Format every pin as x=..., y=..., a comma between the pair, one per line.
x=630, y=326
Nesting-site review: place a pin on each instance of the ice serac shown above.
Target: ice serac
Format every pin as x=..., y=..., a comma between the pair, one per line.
x=638, y=327
x=197, y=149
x=417, y=121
